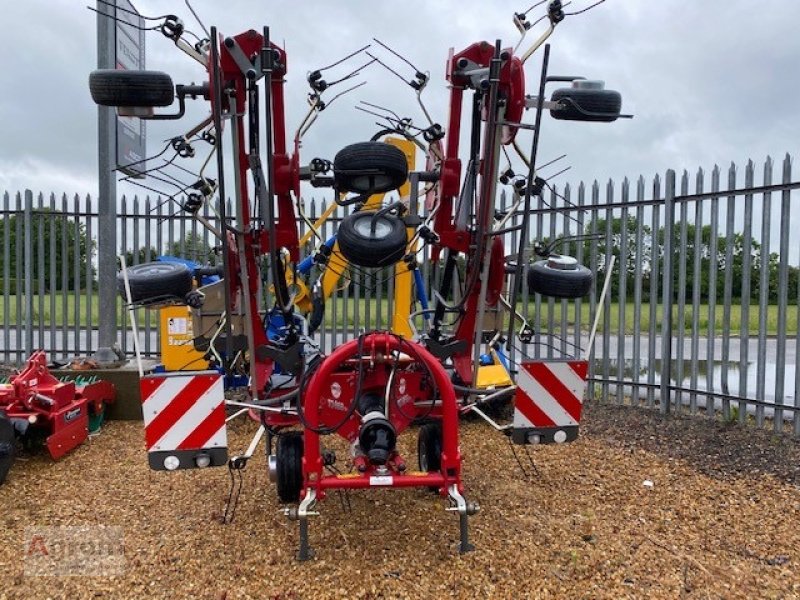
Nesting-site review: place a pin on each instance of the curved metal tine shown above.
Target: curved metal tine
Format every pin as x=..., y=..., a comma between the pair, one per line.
x=164, y=176
x=181, y=189
x=196, y=18
x=404, y=123
x=151, y=173
x=341, y=60
x=548, y=163
x=531, y=26
x=397, y=54
x=383, y=108
x=389, y=123
x=113, y=4
x=422, y=106
x=124, y=22
x=138, y=162
x=534, y=6
x=588, y=8
x=564, y=170
x=347, y=91
x=187, y=171
x=352, y=74
x=388, y=68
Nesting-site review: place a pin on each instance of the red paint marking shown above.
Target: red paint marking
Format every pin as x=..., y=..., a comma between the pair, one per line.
x=148, y=385
x=561, y=393
x=182, y=402
x=205, y=430
x=581, y=367
x=529, y=410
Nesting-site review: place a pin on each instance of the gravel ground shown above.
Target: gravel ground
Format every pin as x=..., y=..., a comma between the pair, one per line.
x=721, y=520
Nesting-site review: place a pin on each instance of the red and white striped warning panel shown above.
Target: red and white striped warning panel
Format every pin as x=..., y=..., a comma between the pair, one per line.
x=184, y=420
x=549, y=401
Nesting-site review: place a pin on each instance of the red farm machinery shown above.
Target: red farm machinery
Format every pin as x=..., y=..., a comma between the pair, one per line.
x=40, y=409
x=258, y=315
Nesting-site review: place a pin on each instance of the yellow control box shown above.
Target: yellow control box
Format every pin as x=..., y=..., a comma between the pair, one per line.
x=177, y=337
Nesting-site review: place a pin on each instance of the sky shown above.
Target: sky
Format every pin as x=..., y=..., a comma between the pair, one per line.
x=708, y=82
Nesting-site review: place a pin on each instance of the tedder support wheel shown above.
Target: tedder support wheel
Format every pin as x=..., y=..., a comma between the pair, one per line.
x=111, y=87
x=559, y=277
x=369, y=168
x=429, y=449
x=6, y=446
x=157, y=279
x=367, y=247
x=289, y=466
x=586, y=104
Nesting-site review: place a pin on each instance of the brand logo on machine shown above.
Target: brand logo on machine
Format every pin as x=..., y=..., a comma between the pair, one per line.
x=401, y=386
x=336, y=404
x=336, y=389
x=70, y=415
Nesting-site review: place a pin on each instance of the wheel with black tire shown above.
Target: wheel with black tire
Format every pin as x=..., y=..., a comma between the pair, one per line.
x=591, y=103
x=118, y=87
x=7, y=442
x=369, y=168
x=154, y=280
x=372, y=241
x=289, y=466
x=429, y=449
x=560, y=277
x=317, y=314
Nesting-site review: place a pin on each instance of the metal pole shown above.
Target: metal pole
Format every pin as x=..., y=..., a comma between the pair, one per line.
x=667, y=293
x=28, y=266
x=107, y=198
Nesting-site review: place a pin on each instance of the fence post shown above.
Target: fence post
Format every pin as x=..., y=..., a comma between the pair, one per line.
x=666, y=293
x=28, y=252
x=106, y=204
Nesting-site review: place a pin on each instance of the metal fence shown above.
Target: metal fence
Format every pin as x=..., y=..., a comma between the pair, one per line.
x=702, y=314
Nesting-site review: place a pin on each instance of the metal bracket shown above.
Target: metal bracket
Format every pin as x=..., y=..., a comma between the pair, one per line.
x=301, y=513
x=464, y=509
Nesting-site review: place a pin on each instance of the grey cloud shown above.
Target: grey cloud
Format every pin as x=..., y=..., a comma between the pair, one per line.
x=708, y=81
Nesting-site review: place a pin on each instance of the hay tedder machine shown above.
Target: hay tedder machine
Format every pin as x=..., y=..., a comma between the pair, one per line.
x=259, y=318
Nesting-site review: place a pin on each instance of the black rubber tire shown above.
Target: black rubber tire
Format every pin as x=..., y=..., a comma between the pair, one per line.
x=369, y=168
x=317, y=314
x=559, y=283
x=7, y=447
x=357, y=244
x=429, y=448
x=289, y=466
x=112, y=87
x=156, y=280
x=607, y=105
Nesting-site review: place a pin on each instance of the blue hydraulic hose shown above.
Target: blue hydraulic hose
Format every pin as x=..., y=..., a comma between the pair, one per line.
x=305, y=265
x=421, y=295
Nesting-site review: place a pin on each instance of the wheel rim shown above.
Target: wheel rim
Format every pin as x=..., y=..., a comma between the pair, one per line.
x=155, y=269
x=371, y=182
x=363, y=227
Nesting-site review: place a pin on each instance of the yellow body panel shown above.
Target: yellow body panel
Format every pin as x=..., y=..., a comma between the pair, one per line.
x=177, y=336
x=494, y=375
x=404, y=279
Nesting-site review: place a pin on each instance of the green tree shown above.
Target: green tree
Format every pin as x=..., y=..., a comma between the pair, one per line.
x=67, y=232
x=142, y=255
x=192, y=247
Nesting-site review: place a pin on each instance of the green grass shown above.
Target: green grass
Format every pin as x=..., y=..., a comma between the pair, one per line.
x=42, y=311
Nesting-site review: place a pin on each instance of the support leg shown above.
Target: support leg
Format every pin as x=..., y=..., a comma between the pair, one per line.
x=305, y=552
x=464, y=510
